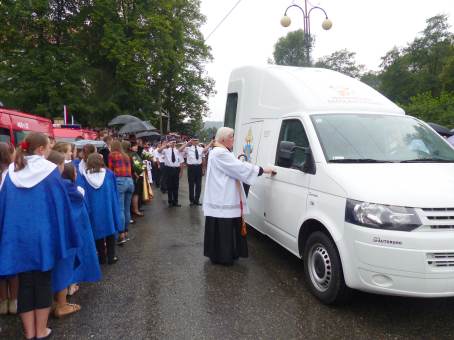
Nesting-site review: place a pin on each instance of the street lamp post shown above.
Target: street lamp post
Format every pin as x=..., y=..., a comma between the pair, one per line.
x=326, y=25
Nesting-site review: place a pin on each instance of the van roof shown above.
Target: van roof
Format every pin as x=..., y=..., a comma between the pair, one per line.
x=269, y=91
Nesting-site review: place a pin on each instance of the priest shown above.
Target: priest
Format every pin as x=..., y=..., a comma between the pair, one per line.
x=225, y=201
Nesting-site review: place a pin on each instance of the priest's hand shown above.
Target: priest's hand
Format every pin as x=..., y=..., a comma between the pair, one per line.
x=269, y=170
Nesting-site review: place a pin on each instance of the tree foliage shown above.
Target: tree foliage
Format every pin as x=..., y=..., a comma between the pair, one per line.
x=420, y=76
x=103, y=58
x=342, y=61
x=294, y=49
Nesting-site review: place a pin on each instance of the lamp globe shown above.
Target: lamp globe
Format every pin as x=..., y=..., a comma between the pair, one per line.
x=285, y=21
x=327, y=24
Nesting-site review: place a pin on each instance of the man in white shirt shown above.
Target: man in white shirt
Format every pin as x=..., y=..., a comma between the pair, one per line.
x=194, y=159
x=173, y=162
x=156, y=167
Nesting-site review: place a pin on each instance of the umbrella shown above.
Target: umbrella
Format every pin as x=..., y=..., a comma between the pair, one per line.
x=147, y=134
x=441, y=130
x=123, y=119
x=136, y=127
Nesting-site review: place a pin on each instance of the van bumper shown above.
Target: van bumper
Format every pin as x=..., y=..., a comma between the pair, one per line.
x=419, y=264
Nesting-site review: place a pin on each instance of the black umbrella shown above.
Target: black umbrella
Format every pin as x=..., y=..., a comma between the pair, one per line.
x=123, y=119
x=440, y=129
x=147, y=134
x=135, y=127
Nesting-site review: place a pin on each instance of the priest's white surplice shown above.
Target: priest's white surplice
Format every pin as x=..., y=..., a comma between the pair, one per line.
x=222, y=197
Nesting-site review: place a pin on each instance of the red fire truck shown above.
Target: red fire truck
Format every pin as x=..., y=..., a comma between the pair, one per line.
x=15, y=125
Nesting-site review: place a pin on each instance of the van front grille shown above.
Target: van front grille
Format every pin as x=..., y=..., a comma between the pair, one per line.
x=440, y=260
x=438, y=218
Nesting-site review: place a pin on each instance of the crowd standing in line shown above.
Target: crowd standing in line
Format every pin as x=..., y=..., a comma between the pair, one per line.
x=94, y=196
x=75, y=203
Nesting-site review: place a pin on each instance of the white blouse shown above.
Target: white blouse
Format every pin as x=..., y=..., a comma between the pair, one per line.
x=222, y=197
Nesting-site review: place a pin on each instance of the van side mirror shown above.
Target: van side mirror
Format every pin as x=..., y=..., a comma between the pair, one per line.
x=286, y=154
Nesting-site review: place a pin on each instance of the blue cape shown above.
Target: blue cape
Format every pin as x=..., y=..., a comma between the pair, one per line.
x=85, y=266
x=104, y=207
x=79, y=180
x=37, y=227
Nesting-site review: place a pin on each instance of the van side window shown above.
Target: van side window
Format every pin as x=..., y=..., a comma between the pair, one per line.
x=292, y=130
x=230, y=110
x=4, y=135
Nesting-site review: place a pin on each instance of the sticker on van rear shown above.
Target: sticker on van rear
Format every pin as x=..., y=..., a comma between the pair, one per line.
x=248, y=147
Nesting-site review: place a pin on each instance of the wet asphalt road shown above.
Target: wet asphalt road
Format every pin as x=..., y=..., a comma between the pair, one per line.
x=163, y=288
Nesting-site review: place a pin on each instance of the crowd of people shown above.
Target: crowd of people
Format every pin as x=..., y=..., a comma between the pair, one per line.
x=64, y=210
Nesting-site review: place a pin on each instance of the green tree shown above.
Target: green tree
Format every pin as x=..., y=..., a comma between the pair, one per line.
x=439, y=109
x=342, y=61
x=418, y=68
x=371, y=78
x=104, y=57
x=294, y=49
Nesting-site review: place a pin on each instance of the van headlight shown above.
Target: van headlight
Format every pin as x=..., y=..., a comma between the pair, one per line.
x=380, y=216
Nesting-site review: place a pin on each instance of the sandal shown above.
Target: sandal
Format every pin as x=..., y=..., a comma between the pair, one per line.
x=66, y=309
x=139, y=214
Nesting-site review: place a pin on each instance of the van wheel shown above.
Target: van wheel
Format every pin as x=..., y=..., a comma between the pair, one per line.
x=323, y=270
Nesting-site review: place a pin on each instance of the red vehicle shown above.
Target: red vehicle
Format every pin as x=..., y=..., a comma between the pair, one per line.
x=72, y=132
x=15, y=125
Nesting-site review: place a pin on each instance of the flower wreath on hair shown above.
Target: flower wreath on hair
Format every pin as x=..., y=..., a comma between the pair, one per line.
x=24, y=145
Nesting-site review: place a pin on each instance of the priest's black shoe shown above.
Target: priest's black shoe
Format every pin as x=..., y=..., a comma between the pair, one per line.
x=177, y=205
x=198, y=203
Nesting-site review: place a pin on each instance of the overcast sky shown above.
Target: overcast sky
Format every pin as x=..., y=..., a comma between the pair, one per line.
x=369, y=28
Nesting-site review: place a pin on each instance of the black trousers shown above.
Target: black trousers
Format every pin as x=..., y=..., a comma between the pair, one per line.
x=163, y=170
x=35, y=291
x=195, y=182
x=173, y=183
x=156, y=174
x=106, y=246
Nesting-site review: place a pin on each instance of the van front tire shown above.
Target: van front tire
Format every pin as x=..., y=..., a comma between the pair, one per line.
x=323, y=270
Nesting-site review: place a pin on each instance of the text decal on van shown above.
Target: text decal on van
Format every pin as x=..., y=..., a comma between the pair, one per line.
x=23, y=125
x=379, y=240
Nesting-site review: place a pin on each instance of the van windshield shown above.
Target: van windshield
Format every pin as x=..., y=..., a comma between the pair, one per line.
x=368, y=138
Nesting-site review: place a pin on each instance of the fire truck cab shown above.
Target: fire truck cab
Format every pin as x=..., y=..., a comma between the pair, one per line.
x=15, y=125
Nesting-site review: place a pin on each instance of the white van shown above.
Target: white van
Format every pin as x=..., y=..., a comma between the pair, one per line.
x=363, y=193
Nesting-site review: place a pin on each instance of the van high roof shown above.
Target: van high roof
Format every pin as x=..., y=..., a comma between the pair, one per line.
x=269, y=91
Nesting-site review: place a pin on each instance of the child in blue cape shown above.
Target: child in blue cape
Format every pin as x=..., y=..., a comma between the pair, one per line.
x=42, y=234
x=9, y=285
x=63, y=271
x=81, y=165
x=88, y=270
x=102, y=196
